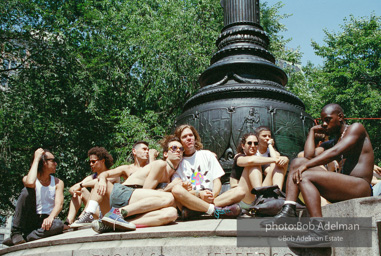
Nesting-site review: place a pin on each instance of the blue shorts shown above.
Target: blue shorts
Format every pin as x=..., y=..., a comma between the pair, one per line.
x=120, y=195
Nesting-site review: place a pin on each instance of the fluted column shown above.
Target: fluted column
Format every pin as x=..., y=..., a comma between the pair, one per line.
x=240, y=11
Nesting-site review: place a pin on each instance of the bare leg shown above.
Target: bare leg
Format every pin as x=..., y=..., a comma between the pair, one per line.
x=230, y=197
x=278, y=175
x=334, y=187
x=105, y=199
x=188, y=200
x=85, y=196
x=292, y=189
x=251, y=178
x=147, y=200
x=75, y=204
x=156, y=218
x=269, y=172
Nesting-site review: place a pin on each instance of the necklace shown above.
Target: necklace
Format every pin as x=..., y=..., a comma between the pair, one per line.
x=345, y=129
x=44, y=181
x=341, y=164
x=170, y=165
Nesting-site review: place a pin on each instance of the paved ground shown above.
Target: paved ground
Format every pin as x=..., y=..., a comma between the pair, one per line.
x=209, y=237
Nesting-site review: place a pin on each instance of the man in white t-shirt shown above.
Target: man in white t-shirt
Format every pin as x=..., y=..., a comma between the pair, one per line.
x=39, y=203
x=200, y=173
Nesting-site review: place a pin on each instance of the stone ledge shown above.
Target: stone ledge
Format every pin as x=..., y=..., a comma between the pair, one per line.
x=209, y=237
x=359, y=207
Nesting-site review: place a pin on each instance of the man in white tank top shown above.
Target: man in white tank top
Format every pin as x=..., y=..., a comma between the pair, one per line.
x=39, y=203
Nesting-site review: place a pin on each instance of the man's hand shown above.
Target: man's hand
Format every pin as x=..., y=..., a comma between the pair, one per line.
x=153, y=153
x=38, y=154
x=47, y=223
x=282, y=161
x=207, y=196
x=102, y=186
x=297, y=177
x=187, y=185
x=377, y=169
x=77, y=193
x=318, y=129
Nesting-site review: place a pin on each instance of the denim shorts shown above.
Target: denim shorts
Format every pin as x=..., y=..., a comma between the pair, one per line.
x=120, y=195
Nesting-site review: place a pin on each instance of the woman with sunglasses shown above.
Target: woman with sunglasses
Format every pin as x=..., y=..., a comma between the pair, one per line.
x=247, y=167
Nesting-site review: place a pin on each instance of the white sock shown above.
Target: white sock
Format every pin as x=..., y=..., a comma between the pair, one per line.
x=290, y=202
x=92, y=206
x=210, y=211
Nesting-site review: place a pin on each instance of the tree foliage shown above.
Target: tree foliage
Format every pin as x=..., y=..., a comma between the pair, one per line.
x=78, y=74
x=350, y=75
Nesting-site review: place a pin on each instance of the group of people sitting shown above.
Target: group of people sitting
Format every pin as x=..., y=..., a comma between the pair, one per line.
x=187, y=181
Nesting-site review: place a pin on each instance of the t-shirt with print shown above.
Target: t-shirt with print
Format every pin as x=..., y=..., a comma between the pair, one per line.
x=200, y=169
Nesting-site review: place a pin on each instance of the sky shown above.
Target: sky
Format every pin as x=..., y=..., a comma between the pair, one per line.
x=310, y=17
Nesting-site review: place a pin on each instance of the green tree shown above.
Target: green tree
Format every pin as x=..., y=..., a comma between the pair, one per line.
x=78, y=74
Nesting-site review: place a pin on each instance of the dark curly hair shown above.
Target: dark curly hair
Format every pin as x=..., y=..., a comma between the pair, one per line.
x=102, y=153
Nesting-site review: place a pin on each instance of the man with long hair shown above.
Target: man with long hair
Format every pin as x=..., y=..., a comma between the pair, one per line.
x=200, y=173
x=39, y=203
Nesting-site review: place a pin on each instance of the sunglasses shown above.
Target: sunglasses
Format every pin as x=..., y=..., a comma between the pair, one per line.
x=175, y=148
x=93, y=161
x=251, y=143
x=52, y=159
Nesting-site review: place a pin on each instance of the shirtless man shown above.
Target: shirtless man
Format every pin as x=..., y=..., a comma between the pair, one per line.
x=142, y=156
x=135, y=199
x=351, y=148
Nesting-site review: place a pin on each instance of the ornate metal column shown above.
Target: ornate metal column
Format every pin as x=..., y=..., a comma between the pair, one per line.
x=244, y=89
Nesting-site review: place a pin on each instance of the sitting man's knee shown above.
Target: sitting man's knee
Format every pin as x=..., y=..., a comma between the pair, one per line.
x=240, y=192
x=170, y=214
x=57, y=226
x=26, y=192
x=168, y=199
x=178, y=190
x=296, y=163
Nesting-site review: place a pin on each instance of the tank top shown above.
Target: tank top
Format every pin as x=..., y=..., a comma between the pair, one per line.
x=266, y=154
x=45, y=196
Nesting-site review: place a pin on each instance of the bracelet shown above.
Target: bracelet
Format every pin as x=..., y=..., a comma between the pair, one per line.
x=80, y=184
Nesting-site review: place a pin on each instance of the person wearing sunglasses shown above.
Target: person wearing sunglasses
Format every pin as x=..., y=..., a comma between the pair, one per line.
x=135, y=201
x=247, y=168
x=39, y=203
x=100, y=160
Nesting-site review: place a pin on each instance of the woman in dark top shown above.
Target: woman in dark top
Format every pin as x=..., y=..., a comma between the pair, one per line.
x=247, y=170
